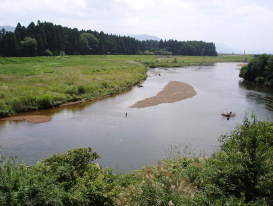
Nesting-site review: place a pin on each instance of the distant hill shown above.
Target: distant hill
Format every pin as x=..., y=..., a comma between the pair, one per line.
x=143, y=37
x=7, y=28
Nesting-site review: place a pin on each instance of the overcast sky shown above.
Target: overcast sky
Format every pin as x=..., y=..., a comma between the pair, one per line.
x=241, y=24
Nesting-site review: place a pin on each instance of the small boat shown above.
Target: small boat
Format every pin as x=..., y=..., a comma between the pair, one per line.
x=228, y=115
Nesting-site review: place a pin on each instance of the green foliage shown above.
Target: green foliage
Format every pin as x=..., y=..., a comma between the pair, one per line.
x=168, y=183
x=243, y=169
x=88, y=42
x=61, y=180
x=240, y=174
x=67, y=167
x=259, y=80
x=23, y=185
x=259, y=70
x=35, y=39
x=28, y=46
x=158, y=52
x=48, y=52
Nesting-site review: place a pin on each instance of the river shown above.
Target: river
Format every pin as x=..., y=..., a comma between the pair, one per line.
x=191, y=126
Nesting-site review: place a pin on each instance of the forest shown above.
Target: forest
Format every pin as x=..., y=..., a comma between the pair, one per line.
x=48, y=39
x=259, y=70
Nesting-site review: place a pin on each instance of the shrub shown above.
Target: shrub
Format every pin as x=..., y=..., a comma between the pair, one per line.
x=5, y=109
x=240, y=174
x=48, y=52
x=61, y=180
x=244, y=167
x=259, y=80
x=23, y=185
x=45, y=101
x=259, y=70
x=81, y=89
x=22, y=104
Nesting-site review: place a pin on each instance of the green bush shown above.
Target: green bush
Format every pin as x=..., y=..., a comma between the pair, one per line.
x=240, y=174
x=5, y=109
x=259, y=80
x=61, y=180
x=23, y=185
x=81, y=89
x=259, y=70
x=68, y=166
x=48, y=52
x=45, y=101
x=243, y=169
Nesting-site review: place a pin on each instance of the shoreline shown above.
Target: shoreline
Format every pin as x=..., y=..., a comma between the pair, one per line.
x=32, y=117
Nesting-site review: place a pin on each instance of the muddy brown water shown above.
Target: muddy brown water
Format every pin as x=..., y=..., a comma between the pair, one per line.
x=147, y=134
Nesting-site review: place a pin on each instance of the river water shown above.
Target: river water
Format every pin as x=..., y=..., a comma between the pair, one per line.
x=147, y=134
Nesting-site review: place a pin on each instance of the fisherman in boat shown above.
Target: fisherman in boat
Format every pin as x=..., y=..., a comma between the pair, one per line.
x=228, y=115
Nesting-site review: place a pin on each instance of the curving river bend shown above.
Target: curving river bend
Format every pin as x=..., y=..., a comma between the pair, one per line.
x=147, y=134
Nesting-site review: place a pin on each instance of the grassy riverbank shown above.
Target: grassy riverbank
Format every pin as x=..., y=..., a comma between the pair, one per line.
x=34, y=83
x=241, y=173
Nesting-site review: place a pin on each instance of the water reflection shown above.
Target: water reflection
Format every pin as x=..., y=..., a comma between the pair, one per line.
x=259, y=94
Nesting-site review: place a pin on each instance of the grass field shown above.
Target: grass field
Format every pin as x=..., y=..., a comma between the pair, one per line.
x=33, y=83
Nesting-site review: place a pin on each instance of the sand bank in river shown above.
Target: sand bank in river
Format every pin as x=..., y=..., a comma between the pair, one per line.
x=174, y=91
x=35, y=119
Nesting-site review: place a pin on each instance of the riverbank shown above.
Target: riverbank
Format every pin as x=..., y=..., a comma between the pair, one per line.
x=34, y=83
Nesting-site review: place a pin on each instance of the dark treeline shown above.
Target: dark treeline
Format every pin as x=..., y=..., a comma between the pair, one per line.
x=259, y=70
x=47, y=39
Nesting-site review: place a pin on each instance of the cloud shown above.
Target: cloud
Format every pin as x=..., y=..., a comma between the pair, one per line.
x=138, y=5
x=242, y=24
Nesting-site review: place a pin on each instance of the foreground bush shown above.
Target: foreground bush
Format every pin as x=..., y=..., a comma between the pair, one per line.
x=241, y=173
x=63, y=179
x=243, y=170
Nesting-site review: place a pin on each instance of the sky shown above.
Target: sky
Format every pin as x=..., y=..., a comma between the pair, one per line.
x=239, y=24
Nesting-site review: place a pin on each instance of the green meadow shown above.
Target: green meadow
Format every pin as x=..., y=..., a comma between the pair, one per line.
x=32, y=83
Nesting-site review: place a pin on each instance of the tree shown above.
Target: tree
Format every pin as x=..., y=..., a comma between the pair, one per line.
x=28, y=46
x=59, y=40
x=259, y=70
x=88, y=43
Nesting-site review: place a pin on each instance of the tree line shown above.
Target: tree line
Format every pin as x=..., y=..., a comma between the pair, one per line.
x=259, y=70
x=47, y=39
